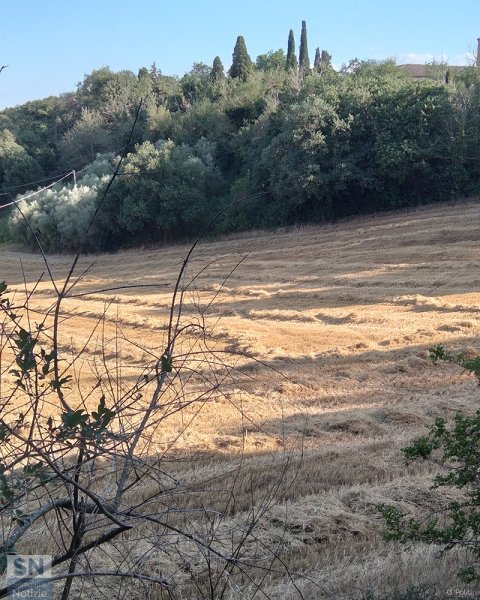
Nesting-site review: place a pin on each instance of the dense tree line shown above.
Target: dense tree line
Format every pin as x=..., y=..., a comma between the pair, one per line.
x=309, y=144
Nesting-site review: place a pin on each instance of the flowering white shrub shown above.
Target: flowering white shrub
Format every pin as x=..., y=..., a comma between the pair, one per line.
x=60, y=217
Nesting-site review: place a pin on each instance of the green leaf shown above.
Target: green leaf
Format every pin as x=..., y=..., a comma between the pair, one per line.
x=103, y=415
x=166, y=362
x=56, y=384
x=73, y=419
x=3, y=433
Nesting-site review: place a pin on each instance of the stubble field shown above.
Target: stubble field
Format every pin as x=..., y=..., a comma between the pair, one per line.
x=326, y=333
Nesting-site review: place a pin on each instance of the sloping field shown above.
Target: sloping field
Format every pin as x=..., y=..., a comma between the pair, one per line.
x=329, y=329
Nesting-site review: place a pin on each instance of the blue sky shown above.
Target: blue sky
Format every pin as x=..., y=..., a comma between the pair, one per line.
x=50, y=45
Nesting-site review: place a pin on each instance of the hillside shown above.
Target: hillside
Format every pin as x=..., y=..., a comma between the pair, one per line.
x=299, y=147
x=332, y=325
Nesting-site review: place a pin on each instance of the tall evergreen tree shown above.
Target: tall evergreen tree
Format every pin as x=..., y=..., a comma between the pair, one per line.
x=326, y=60
x=323, y=61
x=291, y=63
x=303, y=60
x=154, y=71
x=217, y=73
x=241, y=62
x=317, y=63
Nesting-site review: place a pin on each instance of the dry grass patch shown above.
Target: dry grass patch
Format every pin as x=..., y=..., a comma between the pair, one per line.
x=334, y=324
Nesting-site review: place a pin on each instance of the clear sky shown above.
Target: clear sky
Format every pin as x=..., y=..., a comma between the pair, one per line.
x=50, y=45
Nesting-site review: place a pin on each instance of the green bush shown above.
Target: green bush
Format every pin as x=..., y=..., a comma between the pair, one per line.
x=164, y=191
x=60, y=217
x=455, y=446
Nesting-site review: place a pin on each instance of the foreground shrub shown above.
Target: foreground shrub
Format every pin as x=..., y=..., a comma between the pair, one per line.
x=455, y=446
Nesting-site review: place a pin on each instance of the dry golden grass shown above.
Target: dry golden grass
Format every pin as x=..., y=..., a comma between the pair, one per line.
x=334, y=323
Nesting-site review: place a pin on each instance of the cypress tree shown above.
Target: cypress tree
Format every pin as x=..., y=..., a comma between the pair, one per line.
x=326, y=60
x=303, y=60
x=317, y=63
x=323, y=61
x=291, y=63
x=217, y=73
x=241, y=62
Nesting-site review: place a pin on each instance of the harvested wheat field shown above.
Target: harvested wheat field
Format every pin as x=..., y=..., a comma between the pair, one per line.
x=322, y=337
